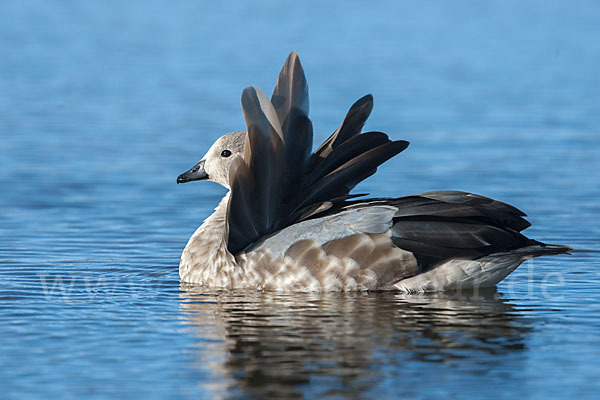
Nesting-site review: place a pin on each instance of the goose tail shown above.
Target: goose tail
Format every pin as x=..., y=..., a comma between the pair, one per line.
x=537, y=250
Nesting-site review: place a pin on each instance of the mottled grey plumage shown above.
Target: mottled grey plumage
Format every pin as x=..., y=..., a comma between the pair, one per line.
x=289, y=221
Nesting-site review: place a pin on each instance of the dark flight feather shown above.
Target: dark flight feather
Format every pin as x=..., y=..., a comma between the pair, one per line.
x=351, y=126
x=291, y=103
x=340, y=181
x=255, y=181
x=279, y=181
x=343, y=153
x=291, y=89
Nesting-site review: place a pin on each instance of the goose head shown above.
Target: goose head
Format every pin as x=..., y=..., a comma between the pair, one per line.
x=215, y=164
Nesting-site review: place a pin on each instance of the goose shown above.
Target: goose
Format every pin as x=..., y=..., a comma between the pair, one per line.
x=288, y=221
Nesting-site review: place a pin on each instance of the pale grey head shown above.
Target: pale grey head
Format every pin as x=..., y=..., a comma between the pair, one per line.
x=215, y=164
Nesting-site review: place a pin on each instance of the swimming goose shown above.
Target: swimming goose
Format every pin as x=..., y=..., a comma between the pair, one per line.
x=290, y=223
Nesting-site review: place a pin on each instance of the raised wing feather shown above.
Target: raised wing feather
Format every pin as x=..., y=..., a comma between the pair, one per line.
x=291, y=89
x=340, y=181
x=255, y=181
x=351, y=126
x=278, y=181
x=290, y=101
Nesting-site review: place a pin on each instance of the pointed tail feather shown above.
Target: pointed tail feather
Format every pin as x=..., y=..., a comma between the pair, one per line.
x=538, y=250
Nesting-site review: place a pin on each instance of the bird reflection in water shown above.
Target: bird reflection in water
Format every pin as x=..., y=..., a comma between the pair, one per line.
x=280, y=344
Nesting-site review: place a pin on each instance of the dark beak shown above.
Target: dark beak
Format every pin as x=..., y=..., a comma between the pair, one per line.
x=196, y=173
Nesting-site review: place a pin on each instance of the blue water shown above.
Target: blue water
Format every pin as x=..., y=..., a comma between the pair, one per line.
x=104, y=103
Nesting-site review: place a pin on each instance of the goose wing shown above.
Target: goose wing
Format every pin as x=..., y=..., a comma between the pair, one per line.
x=433, y=227
x=441, y=225
x=278, y=182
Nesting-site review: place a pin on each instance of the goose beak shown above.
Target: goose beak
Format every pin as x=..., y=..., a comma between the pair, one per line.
x=196, y=173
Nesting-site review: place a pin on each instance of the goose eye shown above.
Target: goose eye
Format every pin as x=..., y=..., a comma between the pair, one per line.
x=225, y=153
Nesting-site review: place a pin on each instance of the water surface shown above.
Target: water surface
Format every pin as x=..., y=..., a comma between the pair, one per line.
x=103, y=104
